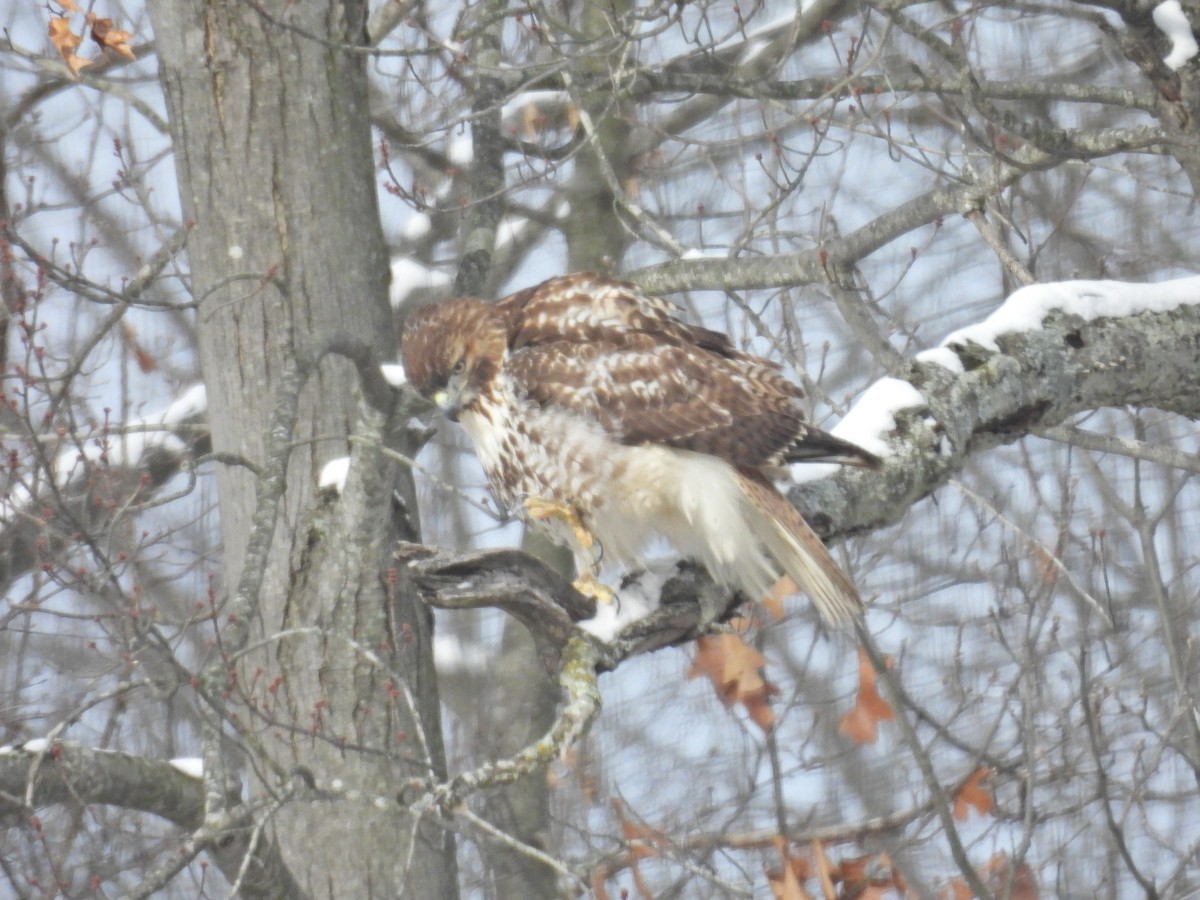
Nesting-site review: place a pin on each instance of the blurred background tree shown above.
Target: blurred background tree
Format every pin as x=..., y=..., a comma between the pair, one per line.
x=215, y=194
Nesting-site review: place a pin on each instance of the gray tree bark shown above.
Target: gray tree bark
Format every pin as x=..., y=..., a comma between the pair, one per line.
x=289, y=267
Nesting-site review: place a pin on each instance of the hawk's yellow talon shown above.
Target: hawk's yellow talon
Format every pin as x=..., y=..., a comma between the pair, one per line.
x=588, y=585
x=541, y=510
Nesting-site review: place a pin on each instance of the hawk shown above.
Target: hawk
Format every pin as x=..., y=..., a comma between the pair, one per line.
x=605, y=420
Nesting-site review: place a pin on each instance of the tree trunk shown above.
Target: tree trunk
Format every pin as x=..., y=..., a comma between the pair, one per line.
x=288, y=263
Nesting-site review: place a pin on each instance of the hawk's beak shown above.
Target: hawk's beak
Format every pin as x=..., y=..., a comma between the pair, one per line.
x=447, y=404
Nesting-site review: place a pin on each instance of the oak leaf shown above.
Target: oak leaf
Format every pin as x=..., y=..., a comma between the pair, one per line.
x=861, y=724
x=972, y=793
x=773, y=601
x=998, y=877
x=999, y=874
x=110, y=38
x=787, y=883
x=1046, y=564
x=735, y=668
x=643, y=840
x=66, y=41
x=145, y=361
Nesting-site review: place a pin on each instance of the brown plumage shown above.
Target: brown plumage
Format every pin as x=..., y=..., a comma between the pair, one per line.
x=587, y=398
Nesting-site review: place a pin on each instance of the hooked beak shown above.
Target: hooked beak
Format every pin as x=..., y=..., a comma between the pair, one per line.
x=447, y=404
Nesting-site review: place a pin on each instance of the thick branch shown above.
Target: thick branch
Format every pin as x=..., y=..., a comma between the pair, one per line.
x=549, y=606
x=813, y=265
x=66, y=773
x=1037, y=380
x=94, y=478
x=648, y=83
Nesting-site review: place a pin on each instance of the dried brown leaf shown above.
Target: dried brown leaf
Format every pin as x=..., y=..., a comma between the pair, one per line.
x=66, y=41
x=735, y=669
x=787, y=882
x=973, y=794
x=145, y=361
x=773, y=601
x=869, y=877
x=643, y=840
x=110, y=38
x=999, y=872
x=861, y=724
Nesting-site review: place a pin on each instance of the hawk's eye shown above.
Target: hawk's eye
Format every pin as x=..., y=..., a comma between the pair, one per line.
x=460, y=366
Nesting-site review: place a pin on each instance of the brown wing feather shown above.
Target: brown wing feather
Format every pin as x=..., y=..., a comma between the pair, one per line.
x=602, y=347
x=665, y=394
x=799, y=551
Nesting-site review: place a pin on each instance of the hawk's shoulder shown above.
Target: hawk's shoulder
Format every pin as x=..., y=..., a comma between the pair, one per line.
x=590, y=308
x=603, y=349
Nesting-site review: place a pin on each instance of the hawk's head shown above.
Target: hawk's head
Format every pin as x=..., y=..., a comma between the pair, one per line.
x=453, y=351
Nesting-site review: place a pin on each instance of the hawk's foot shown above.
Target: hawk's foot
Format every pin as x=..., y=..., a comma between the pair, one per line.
x=590, y=586
x=540, y=509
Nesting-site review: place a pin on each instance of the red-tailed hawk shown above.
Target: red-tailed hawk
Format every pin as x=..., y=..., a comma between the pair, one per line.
x=605, y=420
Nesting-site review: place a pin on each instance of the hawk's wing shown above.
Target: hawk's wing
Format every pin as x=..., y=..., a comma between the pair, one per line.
x=601, y=348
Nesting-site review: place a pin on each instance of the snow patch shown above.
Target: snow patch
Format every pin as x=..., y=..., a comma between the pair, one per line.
x=333, y=475
x=461, y=151
x=393, y=374
x=513, y=113
x=867, y=424
x=408, y=275
x=509, y=231
x=944, y=357
x=874, y=414
x=453, y=656
x=1027, y=308
x=193, y=403
x=1171, y=21
x=37, y=745
x=637, y=598
x=416, y=227
x=192, y=766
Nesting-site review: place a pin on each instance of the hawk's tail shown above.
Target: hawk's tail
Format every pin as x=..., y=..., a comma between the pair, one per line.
x=797, y=549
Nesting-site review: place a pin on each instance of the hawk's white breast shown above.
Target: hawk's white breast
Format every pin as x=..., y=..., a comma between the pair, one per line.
x=627, y=495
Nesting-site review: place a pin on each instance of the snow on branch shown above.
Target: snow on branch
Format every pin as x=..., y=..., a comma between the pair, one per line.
x=1171, y=21
x=1048, y=352
x=46, y=773
x=97, y=474
x=1027, y=308
x=65, y=772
